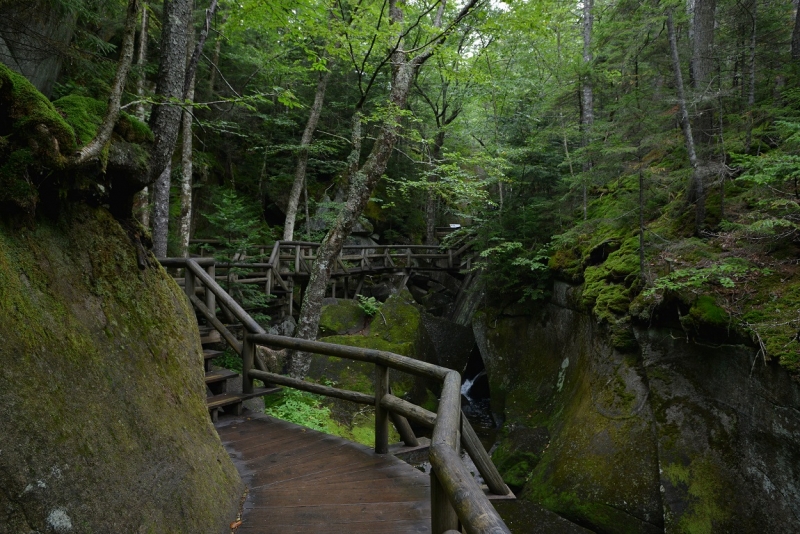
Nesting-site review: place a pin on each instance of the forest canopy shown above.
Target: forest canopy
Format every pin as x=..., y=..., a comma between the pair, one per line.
x=648, y=150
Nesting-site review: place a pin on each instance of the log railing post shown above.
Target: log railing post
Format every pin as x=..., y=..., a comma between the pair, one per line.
x=443, y=516
x=248, y=355
x=188, y=283
x=381, y=415
x=446, y=436
x=211, y=299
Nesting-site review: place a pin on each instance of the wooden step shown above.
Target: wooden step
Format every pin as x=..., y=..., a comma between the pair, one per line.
x=225, y=399
x=212, y=337
x=209, y=354
x=220, y=375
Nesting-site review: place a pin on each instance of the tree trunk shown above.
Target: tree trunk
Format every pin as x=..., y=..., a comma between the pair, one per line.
x=302, y=158
x=166, y=117
x=141, y=61
x=587, y=96
x=751, y=89
x=432, y=198
x=702, y=65
x=94, y=148
x=141, y=202
x=212, y=78
x=695, y=193
x=186, y=171
x=362, y=182
x=161, y=211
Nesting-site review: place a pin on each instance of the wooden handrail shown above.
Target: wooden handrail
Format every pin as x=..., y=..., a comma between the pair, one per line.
x=455, y=495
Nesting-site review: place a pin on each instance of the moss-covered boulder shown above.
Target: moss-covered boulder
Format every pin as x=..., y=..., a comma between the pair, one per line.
x=104, y=426
x=341, y=317
x=398, y=329
x=37, y=141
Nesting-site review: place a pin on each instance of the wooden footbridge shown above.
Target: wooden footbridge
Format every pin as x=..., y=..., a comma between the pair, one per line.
x=287, y=265
x=304, y=481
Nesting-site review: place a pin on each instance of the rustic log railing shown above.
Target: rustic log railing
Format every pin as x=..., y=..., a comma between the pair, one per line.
x=456, y=498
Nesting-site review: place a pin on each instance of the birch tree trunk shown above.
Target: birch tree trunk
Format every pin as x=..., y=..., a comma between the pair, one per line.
x=174, y=78
x=141, y=61
x=363, y=181
x=695, y=190
x=141, y=202
x=186, y=170
x=166, y=116
x=93, y=149
x=302, y=158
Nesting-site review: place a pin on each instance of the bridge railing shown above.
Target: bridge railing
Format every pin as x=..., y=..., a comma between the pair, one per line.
x=455, y=495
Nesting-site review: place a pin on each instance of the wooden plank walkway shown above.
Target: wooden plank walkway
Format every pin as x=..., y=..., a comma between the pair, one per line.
x=301, y=480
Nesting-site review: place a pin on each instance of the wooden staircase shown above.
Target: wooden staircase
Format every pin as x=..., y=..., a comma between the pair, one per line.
x=219, y=399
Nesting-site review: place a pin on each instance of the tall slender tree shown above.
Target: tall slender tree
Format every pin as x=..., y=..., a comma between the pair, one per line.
x=165, y=119
x=404, y=69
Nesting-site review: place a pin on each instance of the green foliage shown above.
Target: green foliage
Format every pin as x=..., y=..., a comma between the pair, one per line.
x=299, y=407
x=508, y=267
x=369, y=305
x=695, y=279
x=239, y=229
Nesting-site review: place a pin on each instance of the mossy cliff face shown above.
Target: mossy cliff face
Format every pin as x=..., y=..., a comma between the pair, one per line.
x=676, y=437
x=104, y=426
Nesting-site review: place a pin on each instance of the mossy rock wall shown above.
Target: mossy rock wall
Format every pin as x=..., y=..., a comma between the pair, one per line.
x=676, y=437
x=104, y=426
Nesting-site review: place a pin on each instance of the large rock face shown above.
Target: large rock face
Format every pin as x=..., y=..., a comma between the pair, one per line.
x=676, y=437
x=103, y=425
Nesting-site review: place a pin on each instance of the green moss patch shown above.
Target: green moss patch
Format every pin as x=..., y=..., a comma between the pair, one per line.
x=344, y=317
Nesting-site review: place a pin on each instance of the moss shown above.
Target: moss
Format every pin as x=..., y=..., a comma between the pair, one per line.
x=102, y=364
x=772, y=318
x=706, y=311
x=709, y=507
x=83, y=114
x=610, y=285
x=567, y=263
x=37, y=142
x=515, y=466
x=133, y=130
x=402, y=319
x=341, y=318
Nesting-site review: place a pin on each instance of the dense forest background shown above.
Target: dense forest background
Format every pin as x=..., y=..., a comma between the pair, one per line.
x=646, y=149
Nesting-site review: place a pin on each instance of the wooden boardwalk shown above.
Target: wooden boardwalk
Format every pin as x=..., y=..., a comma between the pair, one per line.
x=301, y=480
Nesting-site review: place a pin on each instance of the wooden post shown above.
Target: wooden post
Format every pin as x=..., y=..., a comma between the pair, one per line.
x=381, y=415
x=404, y=429
x=188, y=283
x=291, y=294
x=450, y=258
x=248, y=355
x=211, y=299
x=482, y=460
x=445, y=436
x=443, y=516
x=297, y=258
x=269, y=280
